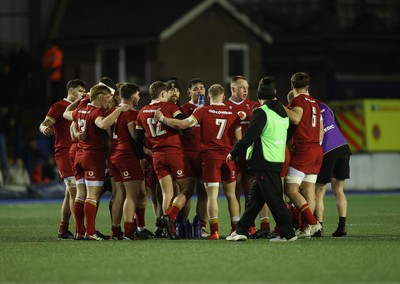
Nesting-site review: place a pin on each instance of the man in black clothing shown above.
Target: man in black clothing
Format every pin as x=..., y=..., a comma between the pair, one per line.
x=265, y=142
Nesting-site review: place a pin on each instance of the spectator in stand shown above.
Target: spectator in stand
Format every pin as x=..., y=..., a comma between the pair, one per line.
x=52, y=63
x=20, y=65
x=7, y=122
x=18, y=174
x=49, y=169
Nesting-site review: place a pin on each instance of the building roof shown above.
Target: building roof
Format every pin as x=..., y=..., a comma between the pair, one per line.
x=140, y=19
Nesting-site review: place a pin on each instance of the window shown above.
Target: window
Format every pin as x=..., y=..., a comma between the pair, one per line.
x=236, y=61
x=121, y=63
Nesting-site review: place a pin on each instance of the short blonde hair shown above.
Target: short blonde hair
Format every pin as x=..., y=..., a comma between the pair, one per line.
x=216, y=90
x=98, y=90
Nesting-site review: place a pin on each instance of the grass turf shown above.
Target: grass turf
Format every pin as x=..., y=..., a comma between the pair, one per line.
x=30, y=252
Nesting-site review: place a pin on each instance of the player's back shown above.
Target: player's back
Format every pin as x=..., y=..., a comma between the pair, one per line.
x=85, y=119
x=218, y=126
x=308, y=129
x=162, y=138
x=121, y=135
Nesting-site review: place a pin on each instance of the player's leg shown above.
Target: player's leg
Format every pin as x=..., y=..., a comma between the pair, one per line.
x=79, y=214
x=212, y=208
x=94, y=190
x=233, y=204
x=201, y=206
x=140, y=211
x=292, y=184
x=341, y=173
x=320, y=190
x=239, y=188
x=169, y=210
x=167, y=190
x=132, y=189
x=341, y=205
x=67, y=208
x=117, y=210
x=265, y=228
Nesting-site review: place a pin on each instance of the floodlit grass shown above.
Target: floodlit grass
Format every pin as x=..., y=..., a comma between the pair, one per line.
x=30, y=252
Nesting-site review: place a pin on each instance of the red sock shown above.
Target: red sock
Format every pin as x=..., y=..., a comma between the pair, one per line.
x=306, y=212
x=233, y=225
x=214, y=225
x=128, y=227
x=173, y=211
x=116, y=231
x=140, y=211
x=203, y=223
x=79, y=216
x=63, y=228
x=90, y=209
x=264, y=225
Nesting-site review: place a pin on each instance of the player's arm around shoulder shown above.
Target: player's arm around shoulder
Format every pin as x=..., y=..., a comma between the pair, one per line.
x=175, y=123
x=105, y=122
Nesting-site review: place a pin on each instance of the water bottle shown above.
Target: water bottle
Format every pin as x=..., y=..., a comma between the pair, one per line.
x=196, y=228
x=188, y=227
x=201, y=100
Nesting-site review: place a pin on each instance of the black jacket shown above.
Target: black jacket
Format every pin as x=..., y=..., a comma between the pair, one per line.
x=253, y=134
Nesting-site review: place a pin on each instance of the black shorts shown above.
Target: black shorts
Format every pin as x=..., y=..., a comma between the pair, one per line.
x=334, y=166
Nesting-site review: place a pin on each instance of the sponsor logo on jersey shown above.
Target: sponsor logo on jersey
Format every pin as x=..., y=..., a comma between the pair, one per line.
x=149, y=110
x=242, y=115
x=219, y=111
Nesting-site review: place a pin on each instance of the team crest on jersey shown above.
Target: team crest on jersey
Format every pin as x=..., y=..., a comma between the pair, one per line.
x=90, y=173
x=248, y=106
x=126, y=173
x=242, y=115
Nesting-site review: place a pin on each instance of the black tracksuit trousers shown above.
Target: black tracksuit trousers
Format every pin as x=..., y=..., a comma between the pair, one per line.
x=267, y=188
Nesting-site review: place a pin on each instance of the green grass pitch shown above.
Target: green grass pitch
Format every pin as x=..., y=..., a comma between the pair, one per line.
x=30, y=252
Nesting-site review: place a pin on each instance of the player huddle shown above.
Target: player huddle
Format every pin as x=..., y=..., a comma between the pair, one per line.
x=169, y=152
